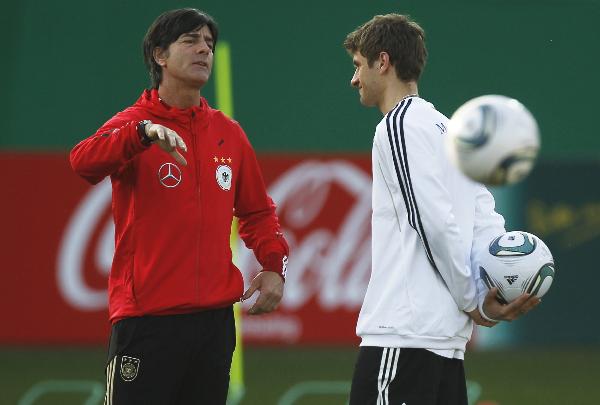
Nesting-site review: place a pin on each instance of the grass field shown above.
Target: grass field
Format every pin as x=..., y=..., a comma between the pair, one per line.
x=523, y=377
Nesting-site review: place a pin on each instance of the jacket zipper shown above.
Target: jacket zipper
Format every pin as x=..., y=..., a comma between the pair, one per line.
x=198, y=236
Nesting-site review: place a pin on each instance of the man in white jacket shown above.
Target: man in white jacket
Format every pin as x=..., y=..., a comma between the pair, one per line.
x=428, y=222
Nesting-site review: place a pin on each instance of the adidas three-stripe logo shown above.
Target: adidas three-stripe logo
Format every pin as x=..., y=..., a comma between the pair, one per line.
x=395, y=131
x=110, y=378
x=387, y=372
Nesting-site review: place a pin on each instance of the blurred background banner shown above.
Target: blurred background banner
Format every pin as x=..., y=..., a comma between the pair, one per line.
x=58, y=255
x=562, y=207
x=324, y=206
x=58, y=243
x=57, y=240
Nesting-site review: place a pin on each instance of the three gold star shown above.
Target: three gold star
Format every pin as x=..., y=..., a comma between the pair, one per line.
x=223, y=160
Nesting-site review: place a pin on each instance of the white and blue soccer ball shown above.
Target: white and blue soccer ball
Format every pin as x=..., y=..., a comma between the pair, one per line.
x=493, y=140
x=517, y=262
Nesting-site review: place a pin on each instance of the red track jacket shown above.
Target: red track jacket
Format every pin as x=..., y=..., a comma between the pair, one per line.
x=172, y=222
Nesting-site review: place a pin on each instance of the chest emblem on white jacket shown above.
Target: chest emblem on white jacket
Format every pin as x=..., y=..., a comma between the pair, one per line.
x=224, y=176
x=169, y=175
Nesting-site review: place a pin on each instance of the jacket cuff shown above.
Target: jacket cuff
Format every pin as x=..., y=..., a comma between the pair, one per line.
x=277, y=263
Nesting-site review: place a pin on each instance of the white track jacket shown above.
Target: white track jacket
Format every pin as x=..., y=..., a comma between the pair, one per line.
x=428, y=222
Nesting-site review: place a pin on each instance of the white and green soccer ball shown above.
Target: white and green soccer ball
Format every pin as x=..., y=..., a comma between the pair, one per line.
x=517, y=262
x=493, y=140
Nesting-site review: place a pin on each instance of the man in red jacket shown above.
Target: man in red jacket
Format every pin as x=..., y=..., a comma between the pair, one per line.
x=180, y=170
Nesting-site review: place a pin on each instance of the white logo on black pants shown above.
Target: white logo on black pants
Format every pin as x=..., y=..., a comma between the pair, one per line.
x=129, y=368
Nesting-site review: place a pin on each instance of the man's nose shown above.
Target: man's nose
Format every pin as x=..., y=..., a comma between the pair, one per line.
x=202, y=47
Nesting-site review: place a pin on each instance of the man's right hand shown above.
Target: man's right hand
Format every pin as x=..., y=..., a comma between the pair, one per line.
x=508, y=312
x=503, y=312
x=475, y=315
x=168, y=140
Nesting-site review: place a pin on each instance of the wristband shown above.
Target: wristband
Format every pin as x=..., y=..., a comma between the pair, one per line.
x=483, y=315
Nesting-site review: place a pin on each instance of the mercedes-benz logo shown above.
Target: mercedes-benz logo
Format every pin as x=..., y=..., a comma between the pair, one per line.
x=169, y=175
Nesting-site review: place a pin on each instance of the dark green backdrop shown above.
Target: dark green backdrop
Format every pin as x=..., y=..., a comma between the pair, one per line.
x=69, y=65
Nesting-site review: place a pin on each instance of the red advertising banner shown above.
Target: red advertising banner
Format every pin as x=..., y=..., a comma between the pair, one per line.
x=324, y=206
x=53, y=286
x=57, y=246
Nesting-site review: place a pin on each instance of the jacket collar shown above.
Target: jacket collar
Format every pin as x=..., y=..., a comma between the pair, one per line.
x=151, y=101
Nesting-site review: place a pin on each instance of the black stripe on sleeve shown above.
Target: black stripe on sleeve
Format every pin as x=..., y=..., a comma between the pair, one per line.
x=411, y=190
x=400, y=155
x=404, y=166
x=394, y=112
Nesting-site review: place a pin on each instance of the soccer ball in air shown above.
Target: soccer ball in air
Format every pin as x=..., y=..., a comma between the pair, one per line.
x=493, y=140
x=517, y=262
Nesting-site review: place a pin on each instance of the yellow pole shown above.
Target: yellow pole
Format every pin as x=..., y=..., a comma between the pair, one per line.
x=236, y=382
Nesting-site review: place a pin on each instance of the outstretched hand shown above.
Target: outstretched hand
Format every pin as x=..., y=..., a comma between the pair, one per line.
x=168, y=140
x=270, y=286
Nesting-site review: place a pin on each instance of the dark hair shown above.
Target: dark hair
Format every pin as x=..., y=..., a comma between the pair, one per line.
x=167, y=28
x=402, y=39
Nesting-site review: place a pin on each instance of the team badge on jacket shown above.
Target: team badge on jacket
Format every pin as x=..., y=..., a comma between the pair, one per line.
x=224, y=175
x=129, y=368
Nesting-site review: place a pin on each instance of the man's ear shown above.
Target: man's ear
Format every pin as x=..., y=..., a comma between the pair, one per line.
x=383, y=62
x=160, y=56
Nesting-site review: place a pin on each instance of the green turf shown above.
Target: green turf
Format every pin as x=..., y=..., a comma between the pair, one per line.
x=523, y=377
x=538, y=377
